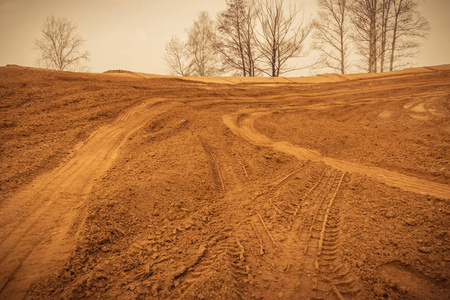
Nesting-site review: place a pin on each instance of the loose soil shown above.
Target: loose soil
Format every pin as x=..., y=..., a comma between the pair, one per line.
x=126, y=185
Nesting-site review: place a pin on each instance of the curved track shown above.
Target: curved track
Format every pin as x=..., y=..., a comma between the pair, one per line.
x=242, y=124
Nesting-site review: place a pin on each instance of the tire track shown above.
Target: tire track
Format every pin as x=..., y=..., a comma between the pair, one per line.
x=223, y=264
x=214, y=166
x=267, y=242
x=333, y=274
x=48, y=192
x=264, y=235
x=247, y=131
x=333, y=271
x=317, y=225
x=43, y=214
x=274, y=193
x=309, y=242
x=77, y=160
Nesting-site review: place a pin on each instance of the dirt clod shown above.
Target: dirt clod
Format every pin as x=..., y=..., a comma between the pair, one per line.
x=390, y=214
x=426, y=249
x=411, y=222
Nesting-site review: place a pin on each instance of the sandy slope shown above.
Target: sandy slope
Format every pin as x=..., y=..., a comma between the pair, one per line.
x=130, y=185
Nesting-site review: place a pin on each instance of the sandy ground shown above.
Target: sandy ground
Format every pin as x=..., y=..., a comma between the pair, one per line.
x=127, y=185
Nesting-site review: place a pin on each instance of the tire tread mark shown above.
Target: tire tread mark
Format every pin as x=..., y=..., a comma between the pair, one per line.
x=229, y=258
x=334, y=275
x=214, y=166
x=322, y=233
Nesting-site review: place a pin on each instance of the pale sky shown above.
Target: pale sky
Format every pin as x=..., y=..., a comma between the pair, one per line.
x=131, y=34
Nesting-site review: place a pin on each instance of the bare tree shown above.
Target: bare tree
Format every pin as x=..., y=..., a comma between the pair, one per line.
x=250, y=40
x=230, y=42
x=60, y=45
x=385, y=27
x=176, y=57
x=201, y=39
x=407, y=26
x=236, y=37
x=364, y=18
x=282, y=36
x=331, y=35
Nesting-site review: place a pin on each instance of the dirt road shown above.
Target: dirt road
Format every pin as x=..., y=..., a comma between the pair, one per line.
x=135, y=186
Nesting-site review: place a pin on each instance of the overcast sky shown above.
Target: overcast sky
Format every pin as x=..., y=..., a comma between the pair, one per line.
x=131, y=34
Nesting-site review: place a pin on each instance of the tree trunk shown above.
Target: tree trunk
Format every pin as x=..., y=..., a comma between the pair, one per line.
x=397, y=11
x=394, y=39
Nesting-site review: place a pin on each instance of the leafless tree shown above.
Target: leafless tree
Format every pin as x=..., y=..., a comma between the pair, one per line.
x=384, y=30
x=60, y=46
x=332, y=35
x=230, y=42
x=281, y=36
x=177, y=57
x=364, y=18
x=236, y=37
x=204, y=60
x=387, y=28
x=408, y=25
x=250, y=40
